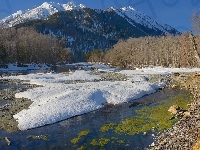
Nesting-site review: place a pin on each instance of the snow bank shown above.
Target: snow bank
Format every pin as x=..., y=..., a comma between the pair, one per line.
x=58, y=101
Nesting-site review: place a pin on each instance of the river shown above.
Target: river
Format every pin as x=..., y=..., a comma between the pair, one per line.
x=86, y=132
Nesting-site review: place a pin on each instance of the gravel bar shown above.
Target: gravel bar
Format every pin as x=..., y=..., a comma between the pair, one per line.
x=185, y=134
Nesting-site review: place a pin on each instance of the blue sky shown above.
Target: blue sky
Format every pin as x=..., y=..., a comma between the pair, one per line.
x=172, y=12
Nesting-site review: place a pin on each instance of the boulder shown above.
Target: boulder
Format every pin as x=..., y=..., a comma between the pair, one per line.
x=174, y=109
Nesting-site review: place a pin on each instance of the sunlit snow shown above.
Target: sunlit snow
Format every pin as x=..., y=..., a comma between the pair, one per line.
x=56, y=100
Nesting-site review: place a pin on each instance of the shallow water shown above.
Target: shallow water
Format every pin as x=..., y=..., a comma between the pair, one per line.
x=5, y=85
x=60, y=134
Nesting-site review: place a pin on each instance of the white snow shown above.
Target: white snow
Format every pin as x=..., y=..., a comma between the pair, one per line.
x=41, y=12
x=158, y=70
x=56, y=101
x=131, y=14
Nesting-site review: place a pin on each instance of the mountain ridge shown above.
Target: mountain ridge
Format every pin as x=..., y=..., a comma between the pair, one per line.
x=47, y=9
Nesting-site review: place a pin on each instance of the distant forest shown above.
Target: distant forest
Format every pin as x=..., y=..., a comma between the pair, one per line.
x=25, y=45
x=167, y=51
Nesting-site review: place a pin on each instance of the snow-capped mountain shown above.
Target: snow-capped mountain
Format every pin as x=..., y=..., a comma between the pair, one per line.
x=41, y=12
x=47, y=9
x=86, y=29
x=131, y=14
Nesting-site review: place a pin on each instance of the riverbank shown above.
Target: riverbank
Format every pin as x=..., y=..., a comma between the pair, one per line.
x=9, y=105
x=185, y=133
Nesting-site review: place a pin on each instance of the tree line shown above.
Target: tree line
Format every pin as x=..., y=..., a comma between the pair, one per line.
x=167, y=51
x=26, y=45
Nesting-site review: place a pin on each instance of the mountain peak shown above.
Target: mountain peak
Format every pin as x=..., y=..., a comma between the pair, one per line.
x=41, y=12
x=128, y=8
x=45, y=5
x=72, y=5
x=134, y=16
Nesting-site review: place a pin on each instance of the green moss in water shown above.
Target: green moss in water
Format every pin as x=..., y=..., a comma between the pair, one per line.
x=133, y=125
x=182, y=101
x=155, y=116
x=83, y=147
x=43, y=137
x=80, y=134
x=83, y=133
x=75, y=140
x=107, y=127
x=100, y=142
x=120, y=141
x=149, y=117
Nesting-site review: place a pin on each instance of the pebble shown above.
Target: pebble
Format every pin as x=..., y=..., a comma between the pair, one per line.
x=185, y=133
x=12, y=105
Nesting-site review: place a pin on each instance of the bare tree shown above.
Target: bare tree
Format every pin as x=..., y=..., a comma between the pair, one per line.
x=26, y=45
x=195, y=19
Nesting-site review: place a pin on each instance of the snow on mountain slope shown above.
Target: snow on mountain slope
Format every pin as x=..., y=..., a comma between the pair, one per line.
x=134, y=17
x=41, y=12
x=131, y=14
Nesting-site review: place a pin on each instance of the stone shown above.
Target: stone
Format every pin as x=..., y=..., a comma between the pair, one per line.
x=152, y=144
x=186, y=114
x=174, y=109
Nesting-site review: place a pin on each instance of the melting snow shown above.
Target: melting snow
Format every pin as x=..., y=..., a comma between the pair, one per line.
x=56, y=101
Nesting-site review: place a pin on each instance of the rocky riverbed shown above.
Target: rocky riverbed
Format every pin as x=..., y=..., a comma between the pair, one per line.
x=185, y=134
x=10, y=105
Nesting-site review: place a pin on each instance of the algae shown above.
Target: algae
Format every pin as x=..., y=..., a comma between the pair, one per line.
x=156, y=116
x=80, y=134
x=149, y=117
x=83, y=147
x=100, y=142
x=83, y=133
x=120, y=141
x=43, y=137
x=75, y=140
x=107, y=127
